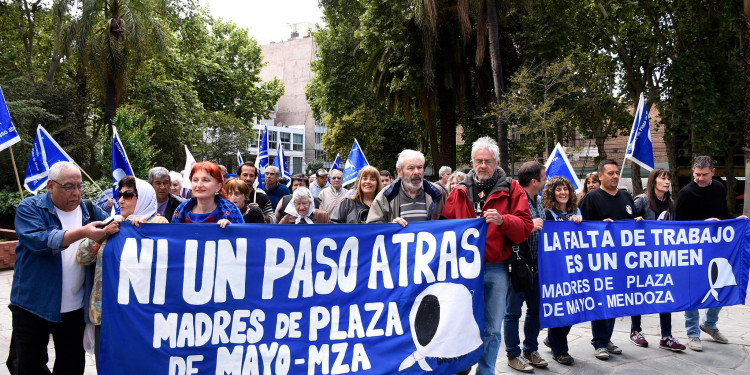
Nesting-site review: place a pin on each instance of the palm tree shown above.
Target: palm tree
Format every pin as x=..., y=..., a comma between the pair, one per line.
x=114, y=39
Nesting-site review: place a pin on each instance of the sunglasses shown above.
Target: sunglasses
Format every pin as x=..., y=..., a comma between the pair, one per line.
x=127, y=194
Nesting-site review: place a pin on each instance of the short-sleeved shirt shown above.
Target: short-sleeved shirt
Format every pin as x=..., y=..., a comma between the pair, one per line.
x=600, y=205
x=412, y=209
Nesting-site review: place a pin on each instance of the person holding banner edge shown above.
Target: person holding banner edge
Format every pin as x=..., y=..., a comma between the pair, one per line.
x=608, y=203
x=702, y=199
x=531, y=177
x=656, y=204
x=138, y=203
x=484, y=193
x=560, y=204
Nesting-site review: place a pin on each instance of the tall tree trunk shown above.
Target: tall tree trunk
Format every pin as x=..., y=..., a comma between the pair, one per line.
x=499, y=81
x=447, y=101
x=746, y=119
x=429, y=120
x=635, y=178
x=109, y=105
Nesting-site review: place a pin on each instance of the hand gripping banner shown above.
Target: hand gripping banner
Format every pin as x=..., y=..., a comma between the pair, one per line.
x=598, y=270
x=293, y=299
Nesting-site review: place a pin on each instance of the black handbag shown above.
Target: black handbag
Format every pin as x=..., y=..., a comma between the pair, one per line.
x=521, y=265
x=521, y=269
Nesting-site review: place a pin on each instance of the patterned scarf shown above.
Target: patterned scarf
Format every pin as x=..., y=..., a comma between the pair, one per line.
x=489, y=183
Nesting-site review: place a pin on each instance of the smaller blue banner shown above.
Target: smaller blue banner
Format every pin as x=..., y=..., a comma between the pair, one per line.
x=597, y=270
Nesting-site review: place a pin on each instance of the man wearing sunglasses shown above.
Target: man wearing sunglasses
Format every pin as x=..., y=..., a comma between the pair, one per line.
x=49, y=286
x=332, y=195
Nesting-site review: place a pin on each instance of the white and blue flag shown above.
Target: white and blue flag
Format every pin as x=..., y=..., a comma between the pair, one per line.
x=261, y=162
x=239, y=159
x=120, y=165
x=8, y=134
x=558, y=165
x=280, y=162
x=335, y=165
x=354, y=162
x=45, y=152
x=640, y=149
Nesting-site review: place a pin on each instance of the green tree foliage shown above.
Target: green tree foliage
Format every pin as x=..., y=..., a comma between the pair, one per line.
x=179, y=76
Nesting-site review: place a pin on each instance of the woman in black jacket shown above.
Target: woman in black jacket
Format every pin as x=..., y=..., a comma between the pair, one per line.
x=354, y=209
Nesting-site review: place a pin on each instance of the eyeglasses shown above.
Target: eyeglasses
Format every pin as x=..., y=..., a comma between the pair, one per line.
x=71, y=187
x=127, y=194
x=235, y=193
x=337, y=178
x=485, y=162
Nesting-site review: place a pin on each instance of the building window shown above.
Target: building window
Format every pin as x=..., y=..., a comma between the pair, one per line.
x=320, y=155
x=272, y=138
x=318, y=138
x=296, y=165
x=298, y=143
x=286, y=140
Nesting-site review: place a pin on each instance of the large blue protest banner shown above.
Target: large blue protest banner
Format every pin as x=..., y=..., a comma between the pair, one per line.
x=598, y=270
x=296, y=299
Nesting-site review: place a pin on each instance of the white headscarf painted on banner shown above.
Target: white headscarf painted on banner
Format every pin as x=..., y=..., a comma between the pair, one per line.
x=442, y=325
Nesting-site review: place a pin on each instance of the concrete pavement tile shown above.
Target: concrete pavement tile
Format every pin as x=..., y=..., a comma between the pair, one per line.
x=717, y=356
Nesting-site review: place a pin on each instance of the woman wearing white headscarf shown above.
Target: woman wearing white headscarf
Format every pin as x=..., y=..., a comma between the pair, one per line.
x=137, y=200
x=302, y=211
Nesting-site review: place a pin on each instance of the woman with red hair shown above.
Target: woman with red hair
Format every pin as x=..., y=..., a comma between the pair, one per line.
x=209, y=203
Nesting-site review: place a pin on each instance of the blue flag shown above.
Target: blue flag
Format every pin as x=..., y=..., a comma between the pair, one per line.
x=354, y=162
x=45, y=152
x=640, y=150
x=558, y=165
x=335, y=165
x=261, y=162
x=296, y=299
x=239, y=159
x=597, y=270
x=280, y=162
x=8, y=134
x=120, y=165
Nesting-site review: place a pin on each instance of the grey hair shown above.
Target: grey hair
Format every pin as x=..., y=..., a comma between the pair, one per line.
x=336, y=170
x=59, y=167
x=486, y=143
x=175, y=176
x=408, y=153
x=302, y=192
x=270, y=167
x=443, y=170
x=458, y=174
x=157, y=172
x=701, y=162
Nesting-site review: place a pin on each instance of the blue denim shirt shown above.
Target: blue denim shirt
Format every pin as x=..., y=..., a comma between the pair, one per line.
x=37, y=274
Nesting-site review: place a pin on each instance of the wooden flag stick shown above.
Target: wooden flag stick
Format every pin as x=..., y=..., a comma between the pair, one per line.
x=89, y=177
x=15, y=169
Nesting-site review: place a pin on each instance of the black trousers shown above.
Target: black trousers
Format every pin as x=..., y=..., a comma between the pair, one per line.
x=28, y=344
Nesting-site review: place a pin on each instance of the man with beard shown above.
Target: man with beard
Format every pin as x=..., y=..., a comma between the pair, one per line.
x=166, y=202
x=487, y=192
x=410, y=197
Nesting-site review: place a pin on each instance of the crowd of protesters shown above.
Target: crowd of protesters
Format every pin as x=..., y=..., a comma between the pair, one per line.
x=62, y=238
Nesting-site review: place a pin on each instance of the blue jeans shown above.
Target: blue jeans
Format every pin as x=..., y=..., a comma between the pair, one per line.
x=558, y=340
x=602, y=332
x=709, y=320
x=665, y=321
x=496, y=289
x=530, y=325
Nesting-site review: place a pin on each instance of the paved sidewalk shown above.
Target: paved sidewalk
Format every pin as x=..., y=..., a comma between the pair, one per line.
x=732, y=358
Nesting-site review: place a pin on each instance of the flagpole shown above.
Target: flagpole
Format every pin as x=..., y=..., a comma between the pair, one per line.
x=89, y=177
x=15, y=169
x=257, y=175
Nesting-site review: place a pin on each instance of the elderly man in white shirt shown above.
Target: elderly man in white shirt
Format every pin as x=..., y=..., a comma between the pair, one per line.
x=332, y=195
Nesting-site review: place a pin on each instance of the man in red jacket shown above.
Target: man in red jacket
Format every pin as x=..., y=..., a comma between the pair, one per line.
x=487, y=192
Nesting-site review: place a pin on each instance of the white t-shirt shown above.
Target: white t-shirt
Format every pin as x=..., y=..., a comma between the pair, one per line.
x=72, y=272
